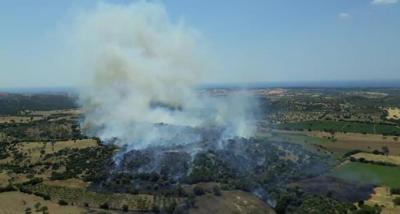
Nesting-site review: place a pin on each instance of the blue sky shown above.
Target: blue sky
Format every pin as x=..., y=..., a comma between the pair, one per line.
x=253, y=41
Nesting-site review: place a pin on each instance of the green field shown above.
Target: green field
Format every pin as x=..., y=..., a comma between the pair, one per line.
x=369, y=173
x=341, y=126
x=300, y=138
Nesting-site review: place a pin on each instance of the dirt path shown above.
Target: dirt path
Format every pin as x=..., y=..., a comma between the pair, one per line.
x=344, y=127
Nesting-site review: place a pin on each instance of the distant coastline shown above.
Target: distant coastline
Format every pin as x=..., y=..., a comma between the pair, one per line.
x=39, y=90
x=299, y=84
x=311, y=84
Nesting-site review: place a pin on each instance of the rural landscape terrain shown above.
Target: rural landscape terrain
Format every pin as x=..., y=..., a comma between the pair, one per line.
x=315, y=150
x=199, y=107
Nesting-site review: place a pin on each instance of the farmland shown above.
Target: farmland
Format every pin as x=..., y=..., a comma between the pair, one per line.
x=301, y=141
x=369, y=173
x=341, y=126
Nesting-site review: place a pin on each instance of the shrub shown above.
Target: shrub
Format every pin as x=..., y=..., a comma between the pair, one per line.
x=198, y=191
x=217, y=191
x=396, y=201
x=62, y=203
x=395, y=191
x=350, y=153
x=155, y=208
x=8, y=188
x=104, y=206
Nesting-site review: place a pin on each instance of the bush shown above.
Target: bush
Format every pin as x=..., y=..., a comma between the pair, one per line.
x=198, y=191
x=155, y=208
x=217, y=191
x=396, y=201
x=179, y=210
x=8, y=188
x=104, y=206
x=62, y=203
x=44, y=196
x=350, y=153
x=33, y=181
x=395, y=191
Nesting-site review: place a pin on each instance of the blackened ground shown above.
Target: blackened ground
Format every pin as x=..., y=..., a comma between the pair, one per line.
x=241, y=164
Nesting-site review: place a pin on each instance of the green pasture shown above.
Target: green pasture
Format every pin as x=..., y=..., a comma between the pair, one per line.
x=369, y=173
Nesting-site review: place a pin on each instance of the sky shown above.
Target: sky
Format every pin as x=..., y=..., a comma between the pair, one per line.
x=251, y=41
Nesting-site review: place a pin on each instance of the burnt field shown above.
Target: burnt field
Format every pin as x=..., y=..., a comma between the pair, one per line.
x=251, y=165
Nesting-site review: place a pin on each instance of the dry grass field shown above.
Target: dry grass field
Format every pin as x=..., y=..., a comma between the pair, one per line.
x=7, y=178
x=48, y=113
x=229, y=202
x=352, y=141
x=378, y=158
x=393, y=113
x=69, y=183
x=40, y=115
x=34, y=150
x=17, y=202
x=237, y=202
x=382, y=196
x=342, y=146
x=353, y=136
x=79, y=196
x=18, y=119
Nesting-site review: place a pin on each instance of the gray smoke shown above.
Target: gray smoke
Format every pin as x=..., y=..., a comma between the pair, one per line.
x=139, y=74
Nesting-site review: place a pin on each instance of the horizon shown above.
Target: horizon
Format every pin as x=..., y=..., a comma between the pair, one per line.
x=247, y=42
x=246, y=86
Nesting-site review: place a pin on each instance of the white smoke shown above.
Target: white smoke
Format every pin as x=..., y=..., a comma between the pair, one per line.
x=139, y=72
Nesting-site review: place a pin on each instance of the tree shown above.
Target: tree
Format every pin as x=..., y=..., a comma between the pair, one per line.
x=280, y=207
x=395, y=191
x=44, y=209
x=217, y=191
x=28, y=210
x=104, y=206
x=62, y=203
x=396, y=201
x=155, y=208
x=191, y=201
x=170, y=208
x=37, y=205
x=179, y=210
x=385, y=150
x=198, y=191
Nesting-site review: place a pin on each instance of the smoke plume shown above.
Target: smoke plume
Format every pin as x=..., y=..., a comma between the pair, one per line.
x=140, y=72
